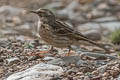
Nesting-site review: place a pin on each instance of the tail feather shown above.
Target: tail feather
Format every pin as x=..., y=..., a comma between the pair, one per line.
x=98, y=45
x=79, y=36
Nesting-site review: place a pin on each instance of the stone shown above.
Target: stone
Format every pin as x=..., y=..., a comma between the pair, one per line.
x=38, y=72
x=55, y=61
x=65, y=60
x=102, y=69
x=93, y=35
x=2, y=58
x=71, y=59
x=118, y=77
x=98, y=55
x=31, y=58
x=48, y=58
x=11, y=10
x=81, y=63
x=11, y=61
x=106, y=25
x=1, y=70
x=54, y=5
x=99, y=63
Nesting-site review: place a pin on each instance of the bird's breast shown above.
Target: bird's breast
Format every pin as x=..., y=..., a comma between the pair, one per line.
x=50, y=37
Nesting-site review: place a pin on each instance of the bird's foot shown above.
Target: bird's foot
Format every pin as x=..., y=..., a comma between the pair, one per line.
x=40, y=54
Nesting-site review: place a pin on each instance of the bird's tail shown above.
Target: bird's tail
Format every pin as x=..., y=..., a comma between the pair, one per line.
x=98, y=45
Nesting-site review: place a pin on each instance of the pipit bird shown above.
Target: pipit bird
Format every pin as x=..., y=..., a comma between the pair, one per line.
x=57, y=33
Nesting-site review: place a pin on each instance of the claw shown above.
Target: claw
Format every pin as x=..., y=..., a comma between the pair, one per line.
x=41, y=53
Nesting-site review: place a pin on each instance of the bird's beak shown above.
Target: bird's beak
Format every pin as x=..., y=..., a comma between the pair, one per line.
x=36, y=11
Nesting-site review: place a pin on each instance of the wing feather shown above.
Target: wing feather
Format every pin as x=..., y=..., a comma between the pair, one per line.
x=61, y=28
x=64, y=29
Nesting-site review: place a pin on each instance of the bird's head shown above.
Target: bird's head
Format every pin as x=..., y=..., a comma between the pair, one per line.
x=44, y=13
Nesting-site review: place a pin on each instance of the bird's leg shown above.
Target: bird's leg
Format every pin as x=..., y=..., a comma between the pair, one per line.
x=69, y=52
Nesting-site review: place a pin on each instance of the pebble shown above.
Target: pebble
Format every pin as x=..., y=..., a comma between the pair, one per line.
x=1, y=70
x=48, y=58
x=38, y=72
x=93, y=35
x=65, y=60
x=11, y=61
x=2, y=58
x=31, y=58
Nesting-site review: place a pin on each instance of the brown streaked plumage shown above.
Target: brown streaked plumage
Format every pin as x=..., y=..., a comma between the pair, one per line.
x=57, y=33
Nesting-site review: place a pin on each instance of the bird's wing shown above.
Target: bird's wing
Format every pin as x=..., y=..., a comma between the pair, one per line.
x=62, y=28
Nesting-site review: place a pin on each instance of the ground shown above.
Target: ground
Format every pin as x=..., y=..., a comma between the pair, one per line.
x=18, y=38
